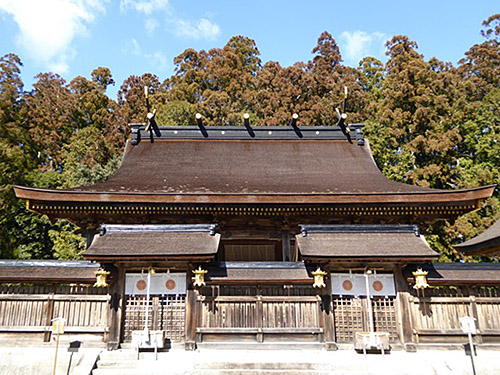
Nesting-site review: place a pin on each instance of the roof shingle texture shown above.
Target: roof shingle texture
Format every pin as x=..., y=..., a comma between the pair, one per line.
x=50, y=270
x=487, y=242
x=153, y=244
x=362, y=245
x=249, y=166
x=459, y=273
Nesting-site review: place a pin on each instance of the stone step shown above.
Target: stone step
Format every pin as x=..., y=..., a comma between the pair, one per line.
x=120, y=354
x=275, y=366
x=118, y=363
x=260, y=346
x=166, y=370
x=275, y=372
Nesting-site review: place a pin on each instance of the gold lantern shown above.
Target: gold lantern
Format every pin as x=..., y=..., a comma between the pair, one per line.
x=420, y=279
x=199, y=277
x=100, y=275
x=319, y=278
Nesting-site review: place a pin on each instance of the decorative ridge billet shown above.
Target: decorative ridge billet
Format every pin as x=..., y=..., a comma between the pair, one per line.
x=158, y=228
x=242, y=133
x=360, y=228
x=48, y=263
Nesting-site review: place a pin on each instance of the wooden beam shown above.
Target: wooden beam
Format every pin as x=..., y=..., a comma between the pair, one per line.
x=328, y=318
x=49, y=312
x=403, y=311
x=116, y=307
x=192, y=312
x=285, y=245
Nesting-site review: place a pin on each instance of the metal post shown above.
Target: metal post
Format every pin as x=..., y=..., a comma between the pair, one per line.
x=471, y=345
x=146, y=320
x=368, y=299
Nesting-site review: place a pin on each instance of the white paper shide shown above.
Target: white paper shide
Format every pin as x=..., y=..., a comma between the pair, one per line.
x=161, y=283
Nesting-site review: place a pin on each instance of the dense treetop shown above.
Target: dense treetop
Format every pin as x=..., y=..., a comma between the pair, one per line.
x=429, y=122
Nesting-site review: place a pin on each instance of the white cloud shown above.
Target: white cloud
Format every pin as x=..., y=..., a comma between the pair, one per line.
x=151, y=25
x=47, y=28
x=201, y=29
x=157, y=59
x=359, y=44
x=132, y=47
x=144, y=6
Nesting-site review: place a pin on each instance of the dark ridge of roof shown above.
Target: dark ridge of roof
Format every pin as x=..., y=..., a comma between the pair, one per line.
x=380, y=242
x=458, y=273
x=158, y=228
x=257, y=265
x=240, y=133
x=47, y=270
x=151, y=244
x=48, y=263
x=256, y=271
x=487, y=243
x=359, y=228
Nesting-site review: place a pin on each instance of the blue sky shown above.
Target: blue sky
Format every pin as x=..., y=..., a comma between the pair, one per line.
x=72, y=37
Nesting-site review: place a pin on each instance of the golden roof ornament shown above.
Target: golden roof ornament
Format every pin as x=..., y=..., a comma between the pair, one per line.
x=319, y=278
x=420, y=279
x=100, y=275
x=199, y=277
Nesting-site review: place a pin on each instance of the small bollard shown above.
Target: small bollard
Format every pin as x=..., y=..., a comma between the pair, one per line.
x=468, y=325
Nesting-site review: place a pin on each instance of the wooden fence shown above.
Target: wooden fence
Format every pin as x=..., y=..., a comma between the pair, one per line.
x=436, y=312
x=252, y=312
x=31, y=308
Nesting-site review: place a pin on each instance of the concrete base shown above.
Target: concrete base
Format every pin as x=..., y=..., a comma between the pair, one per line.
x=40, y=360
x=296, y=362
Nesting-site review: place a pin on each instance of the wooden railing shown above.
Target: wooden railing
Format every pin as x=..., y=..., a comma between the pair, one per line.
x=437, y=313
x=259, y=315
x=32, y=308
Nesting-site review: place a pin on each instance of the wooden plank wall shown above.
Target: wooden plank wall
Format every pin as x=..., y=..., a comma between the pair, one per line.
x=436, y=312
x=254, y=312
x=31, y=308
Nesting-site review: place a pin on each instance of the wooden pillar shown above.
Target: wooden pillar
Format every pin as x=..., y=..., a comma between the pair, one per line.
x=475, y=314
x=328, y=318
x=49, y=313
x=191, y=311
x=259, y=317
x=285, y=245
x=403, y=310
x=115, y=311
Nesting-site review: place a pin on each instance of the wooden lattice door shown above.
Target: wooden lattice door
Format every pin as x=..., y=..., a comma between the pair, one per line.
x=351, y=316
x=167, y=313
